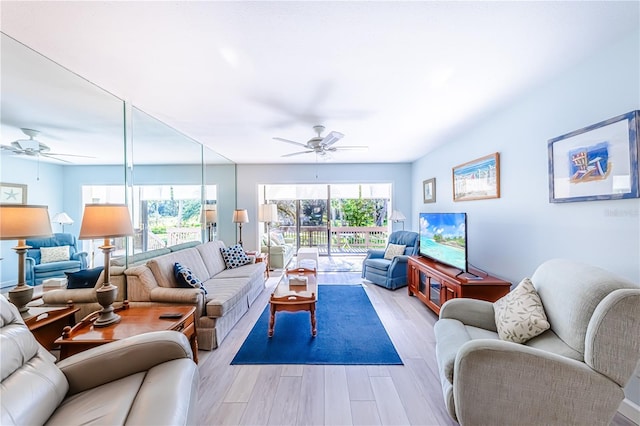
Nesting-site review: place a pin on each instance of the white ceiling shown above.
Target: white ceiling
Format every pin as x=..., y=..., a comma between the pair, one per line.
x=400, y=77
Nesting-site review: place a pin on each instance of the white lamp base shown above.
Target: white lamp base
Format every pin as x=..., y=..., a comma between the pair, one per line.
x=20, y=296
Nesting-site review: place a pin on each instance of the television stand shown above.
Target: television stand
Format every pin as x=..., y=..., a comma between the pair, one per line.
x=434, y=283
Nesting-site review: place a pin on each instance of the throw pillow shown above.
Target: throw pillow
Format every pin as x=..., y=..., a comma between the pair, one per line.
x=186, y=279
x=394, y=250
x=87, y=278
x=519, y=315
x=234, y=256
x=278, y=238
x=54, y=254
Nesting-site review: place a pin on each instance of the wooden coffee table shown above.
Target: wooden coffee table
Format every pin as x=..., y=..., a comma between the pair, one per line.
x=133, y=321
x=292, y=296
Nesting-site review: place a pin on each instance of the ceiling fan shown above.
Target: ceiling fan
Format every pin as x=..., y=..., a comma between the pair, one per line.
x=321, y=145
x=34, y=148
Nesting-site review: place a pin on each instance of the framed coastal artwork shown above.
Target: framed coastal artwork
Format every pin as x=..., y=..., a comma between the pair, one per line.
x=598, y=162
x=429, y=190
x=13, y=193
x=478, y=179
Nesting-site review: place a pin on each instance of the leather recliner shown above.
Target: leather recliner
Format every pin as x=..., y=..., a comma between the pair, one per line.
x=149, y=379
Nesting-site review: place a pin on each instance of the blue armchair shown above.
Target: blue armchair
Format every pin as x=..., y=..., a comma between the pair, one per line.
x=391, y=274
x=36, y=271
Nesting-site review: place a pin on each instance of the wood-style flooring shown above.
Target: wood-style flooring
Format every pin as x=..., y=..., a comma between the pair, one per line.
x=334, y=394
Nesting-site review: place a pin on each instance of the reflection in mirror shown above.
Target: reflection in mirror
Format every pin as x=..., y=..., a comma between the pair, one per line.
x=220, y=178
x=73, y=137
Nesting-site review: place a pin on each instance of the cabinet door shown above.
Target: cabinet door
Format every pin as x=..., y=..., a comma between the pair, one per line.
x=449, y=291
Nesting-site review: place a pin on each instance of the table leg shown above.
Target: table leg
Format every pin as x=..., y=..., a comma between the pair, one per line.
x=272, y=319
x=312, y=310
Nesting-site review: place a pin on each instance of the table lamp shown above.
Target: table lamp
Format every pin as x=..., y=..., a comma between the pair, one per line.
x=106, y=221
x=19, y=222
x=268, y=213
x=397, y=216
x=211, y=218
x=240, y=216
x=62, y=219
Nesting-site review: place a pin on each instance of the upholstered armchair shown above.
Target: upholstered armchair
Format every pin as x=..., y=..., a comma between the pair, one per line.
x=573, y=372
x=383, y=268
x=40, y=265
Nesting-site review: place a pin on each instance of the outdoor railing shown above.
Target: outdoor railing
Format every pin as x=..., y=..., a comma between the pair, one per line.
x=344, y=239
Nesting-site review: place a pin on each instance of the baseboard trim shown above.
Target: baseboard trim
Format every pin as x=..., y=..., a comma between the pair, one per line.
x=630, y=410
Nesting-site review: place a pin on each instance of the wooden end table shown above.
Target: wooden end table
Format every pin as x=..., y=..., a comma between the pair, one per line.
x=133, y=321
x=290, y=296
x=47, y=323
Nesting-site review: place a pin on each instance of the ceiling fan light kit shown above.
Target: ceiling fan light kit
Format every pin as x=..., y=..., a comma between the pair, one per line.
x=320, y=145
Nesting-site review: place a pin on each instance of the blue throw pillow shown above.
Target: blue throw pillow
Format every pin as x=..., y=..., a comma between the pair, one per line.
x=87, y=278
x=186, y=279
x=234, y=256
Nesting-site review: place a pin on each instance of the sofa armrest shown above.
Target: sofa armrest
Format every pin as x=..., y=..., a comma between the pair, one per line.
x=491, y=377
x=189, y=296
x=75, y=295
x=106, y=363
x=140, y=283
x=473, y=312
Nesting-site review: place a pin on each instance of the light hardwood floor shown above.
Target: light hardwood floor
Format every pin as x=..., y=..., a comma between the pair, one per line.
x=331, y=395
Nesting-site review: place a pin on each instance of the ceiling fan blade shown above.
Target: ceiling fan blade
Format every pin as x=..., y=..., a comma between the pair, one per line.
x=297, y=153
x=55, y=158
x=67, y=155
x=351, y=148
x=331, y=138
x=10, y=148
x=291, y=142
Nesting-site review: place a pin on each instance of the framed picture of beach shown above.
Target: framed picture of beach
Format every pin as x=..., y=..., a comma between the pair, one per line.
x=13, y=193
x=599, y=162
x=478, y=179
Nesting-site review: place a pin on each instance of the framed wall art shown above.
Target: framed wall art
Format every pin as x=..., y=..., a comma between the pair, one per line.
x=429, y=190
x=13, y=193
x=599, y=162
x=478, y=179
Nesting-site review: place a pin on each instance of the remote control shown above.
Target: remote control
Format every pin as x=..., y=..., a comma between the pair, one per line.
x=170, y=315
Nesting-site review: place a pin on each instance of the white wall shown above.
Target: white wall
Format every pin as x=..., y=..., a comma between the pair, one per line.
x=250, y=176
x=511, y=235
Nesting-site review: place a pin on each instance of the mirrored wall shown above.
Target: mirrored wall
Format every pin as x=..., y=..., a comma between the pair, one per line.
x=91, y=146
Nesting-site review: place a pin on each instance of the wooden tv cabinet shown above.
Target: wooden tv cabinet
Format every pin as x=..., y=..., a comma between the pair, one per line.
x=434, y=283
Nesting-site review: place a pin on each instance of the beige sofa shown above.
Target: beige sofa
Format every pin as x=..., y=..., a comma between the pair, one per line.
x=149, y=379
x=86, y=299
x=230, y=291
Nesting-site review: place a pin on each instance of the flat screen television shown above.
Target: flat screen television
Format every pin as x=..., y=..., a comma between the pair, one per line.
x=443, y=237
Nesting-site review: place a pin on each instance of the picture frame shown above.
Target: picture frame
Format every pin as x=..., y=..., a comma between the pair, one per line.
x=429, y=190
x=13, y=193
x=477, y=179
x=598, y=162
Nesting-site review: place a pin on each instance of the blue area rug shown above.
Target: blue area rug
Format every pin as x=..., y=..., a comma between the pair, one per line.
x=349, y=333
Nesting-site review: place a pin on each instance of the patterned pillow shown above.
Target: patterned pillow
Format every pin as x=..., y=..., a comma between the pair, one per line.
x=186, y=279
x=394, y=250
x=234, y=256
x=519, y=315
x=54, y=254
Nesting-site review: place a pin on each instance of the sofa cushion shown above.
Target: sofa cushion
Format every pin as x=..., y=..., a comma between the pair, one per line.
x=162, y=267
x=211, y=256
x=519, y=314
x=394, y=250
x=250, y=270
x=54, y=254
x=234, y=256
x=223, y=294
x=86, y=278
x=186, y=278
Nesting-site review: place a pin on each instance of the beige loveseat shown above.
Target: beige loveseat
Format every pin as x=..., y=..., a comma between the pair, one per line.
x=86, y=299
x=230, y=292
x=149, y=379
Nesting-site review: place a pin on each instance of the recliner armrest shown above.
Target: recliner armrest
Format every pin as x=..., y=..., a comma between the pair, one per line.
x=122, y=358
x=474, y=312
x=375, y=254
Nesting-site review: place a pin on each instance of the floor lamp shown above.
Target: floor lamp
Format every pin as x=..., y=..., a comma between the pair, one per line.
x=397, y=216
x=240, y=216
x=106, y=221
x=62, y=219
x=19, y=222
x=268, y=213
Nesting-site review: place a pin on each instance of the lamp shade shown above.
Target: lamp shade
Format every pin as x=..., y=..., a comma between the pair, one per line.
x=240, y=216
x=62, y=219
x=397, y=216
x=268, y=213
x=211, y=216
x=105, y=221
x=19, y=222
